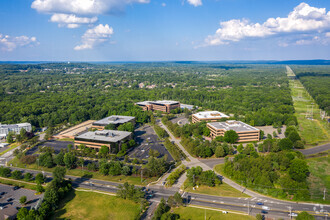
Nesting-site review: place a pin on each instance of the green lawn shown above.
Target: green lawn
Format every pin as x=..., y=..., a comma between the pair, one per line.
x=319, y=177
x=136, y=180
x=315, y=131
x=12, y=146
x=90, y=205
x=221, y=190
x=199, y=214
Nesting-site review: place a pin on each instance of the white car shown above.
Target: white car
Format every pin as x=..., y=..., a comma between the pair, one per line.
x=224, y=212
x=293, y=214
x=265, y=208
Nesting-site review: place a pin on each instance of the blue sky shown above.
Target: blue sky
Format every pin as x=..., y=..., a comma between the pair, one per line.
x=152, y=30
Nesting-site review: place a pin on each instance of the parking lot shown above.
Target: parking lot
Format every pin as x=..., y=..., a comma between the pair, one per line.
x=9, y=199
x=147, y=139
x=181, y=120
x=57, y=145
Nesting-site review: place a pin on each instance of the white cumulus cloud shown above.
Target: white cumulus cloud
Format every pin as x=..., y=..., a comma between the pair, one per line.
x=95, y=36
x=82, y=7
x=71, y=20
x=195, y=2
x=303, y=19
x=8, y=43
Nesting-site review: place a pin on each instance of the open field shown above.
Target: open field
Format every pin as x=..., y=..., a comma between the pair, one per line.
x=199, y=214
x=315, y=131
x=221, y=190
x=90, y=205
x=319, y=177
x=136, y=180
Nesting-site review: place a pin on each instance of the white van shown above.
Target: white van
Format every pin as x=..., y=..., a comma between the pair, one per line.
x=265, y=208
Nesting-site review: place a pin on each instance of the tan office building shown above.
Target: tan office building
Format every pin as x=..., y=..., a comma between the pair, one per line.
x=96, y=139
x=208, y=116
x=163, y=105
x=246, y=133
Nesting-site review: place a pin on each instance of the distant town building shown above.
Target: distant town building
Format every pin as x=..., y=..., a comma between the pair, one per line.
x=96, y=139
x=208, y=116
x=15, y=128
x=114, y=119
x=163, y=105
x=246, y=133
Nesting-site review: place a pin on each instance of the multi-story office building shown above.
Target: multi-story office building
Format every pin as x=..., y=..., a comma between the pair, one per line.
x=246, y=133
x=15, y=128
x=208, y=116
x=163, y=105
x=114, y=119
x=96, y=139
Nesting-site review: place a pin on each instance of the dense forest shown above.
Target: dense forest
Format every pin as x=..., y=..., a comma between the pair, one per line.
x=50, y=94
x=316, y=80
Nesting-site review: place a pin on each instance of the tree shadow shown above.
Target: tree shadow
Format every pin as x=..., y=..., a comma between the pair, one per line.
x=61, y=210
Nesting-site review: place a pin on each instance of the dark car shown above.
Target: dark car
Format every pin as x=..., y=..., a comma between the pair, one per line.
x=15, y=188
x=264, y=211
x=10, y=199
x=259, y=203
x=2, y=193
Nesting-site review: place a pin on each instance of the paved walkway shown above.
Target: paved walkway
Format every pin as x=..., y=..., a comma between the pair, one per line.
x=315, y=150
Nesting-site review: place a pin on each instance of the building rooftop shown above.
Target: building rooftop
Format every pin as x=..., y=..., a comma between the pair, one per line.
x=159, y=102
x=237, y=126
x=105, y=135
x=14, y=125
x=114, y=119
x=210, y=114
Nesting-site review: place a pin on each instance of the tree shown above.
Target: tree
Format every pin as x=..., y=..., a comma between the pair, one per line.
x=240, y=148
x=46, y=160
x=28, y=177
x=39, y=188
x=161, y=209
x=81, y=162
x=22, y=213
x=22, y=200
x=59, y=159
x=285, y=144
x=59, y=174
x=262, y=134
x=70, y=160
x=304, y=216
x=298, y=170
x=230, y=136
x=126, y=170
x=10, y=138
x=16, y=174
x=40, y=179
x=219, y=151
x=5, y=171
x=294, y=136
x=299, y=145
x=104, y=151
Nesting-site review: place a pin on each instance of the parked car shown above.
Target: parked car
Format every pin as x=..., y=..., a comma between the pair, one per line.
x=2, y=193
x=260, y=203
x=224, y=212
x=16, y=187
x=10, y=199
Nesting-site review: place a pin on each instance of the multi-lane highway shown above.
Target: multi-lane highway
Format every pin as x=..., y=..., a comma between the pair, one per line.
x=277, y=208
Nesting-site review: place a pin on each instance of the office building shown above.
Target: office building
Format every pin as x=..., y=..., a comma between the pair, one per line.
x=246, y=133
x=114, y=119
x=15, y=128
x=163, y=105
x=96, y=139
x=208, y=116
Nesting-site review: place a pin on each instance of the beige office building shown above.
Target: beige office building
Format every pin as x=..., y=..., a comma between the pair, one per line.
x=246, y=133
x=163, y=105
x=211, y=116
